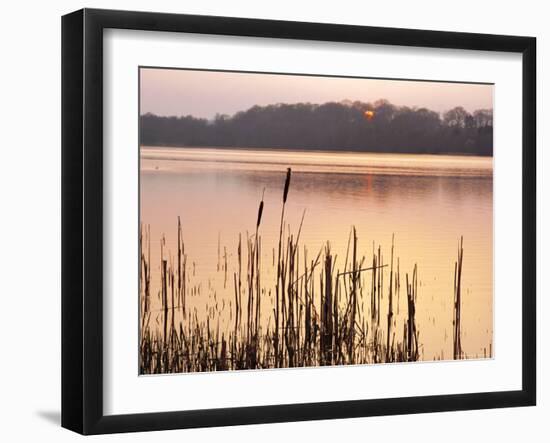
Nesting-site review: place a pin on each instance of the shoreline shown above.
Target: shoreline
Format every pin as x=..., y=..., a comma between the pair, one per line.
x=318, y=150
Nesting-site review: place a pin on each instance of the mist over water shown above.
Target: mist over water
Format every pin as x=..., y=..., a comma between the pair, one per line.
x=426, y=201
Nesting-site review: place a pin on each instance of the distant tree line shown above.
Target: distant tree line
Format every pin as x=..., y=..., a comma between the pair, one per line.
x=347, y=126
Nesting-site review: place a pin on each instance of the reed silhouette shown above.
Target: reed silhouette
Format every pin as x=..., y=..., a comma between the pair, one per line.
x=319, y=316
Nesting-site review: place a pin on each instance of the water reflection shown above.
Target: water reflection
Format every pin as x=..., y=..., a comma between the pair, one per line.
x=427, y=202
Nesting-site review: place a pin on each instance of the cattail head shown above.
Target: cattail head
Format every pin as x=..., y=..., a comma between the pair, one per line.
x=260, y=210
x=287, y=184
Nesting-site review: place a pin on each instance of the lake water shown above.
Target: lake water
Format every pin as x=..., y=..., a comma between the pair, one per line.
x=426, y=202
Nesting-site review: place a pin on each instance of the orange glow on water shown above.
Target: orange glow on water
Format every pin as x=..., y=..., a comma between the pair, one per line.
x=425, y=202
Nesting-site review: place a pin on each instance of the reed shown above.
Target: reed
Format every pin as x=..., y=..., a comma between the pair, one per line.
x=410, y=339
x=457, y=344
x=324, y=311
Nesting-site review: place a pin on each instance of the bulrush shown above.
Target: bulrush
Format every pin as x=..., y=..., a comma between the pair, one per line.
x=260, y=210
x=320, y=314
x=287, y=184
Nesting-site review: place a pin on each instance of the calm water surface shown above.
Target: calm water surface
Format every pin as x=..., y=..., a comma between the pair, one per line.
x=427, y=202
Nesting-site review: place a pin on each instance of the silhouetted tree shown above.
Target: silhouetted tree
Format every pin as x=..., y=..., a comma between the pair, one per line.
x=456, y=117
x=352, y=126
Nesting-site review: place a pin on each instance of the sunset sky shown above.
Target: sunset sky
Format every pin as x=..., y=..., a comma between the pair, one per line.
x=206, y=93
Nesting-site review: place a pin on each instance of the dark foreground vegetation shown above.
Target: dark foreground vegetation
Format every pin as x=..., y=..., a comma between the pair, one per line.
x=345, y=126
x=322, y=309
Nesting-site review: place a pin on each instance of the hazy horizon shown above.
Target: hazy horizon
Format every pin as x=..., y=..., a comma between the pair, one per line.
x=180, y=92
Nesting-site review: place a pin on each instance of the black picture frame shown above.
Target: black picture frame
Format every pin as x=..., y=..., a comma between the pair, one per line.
x=82, y=218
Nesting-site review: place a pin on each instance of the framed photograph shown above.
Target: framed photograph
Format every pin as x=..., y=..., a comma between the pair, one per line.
x=269, y=221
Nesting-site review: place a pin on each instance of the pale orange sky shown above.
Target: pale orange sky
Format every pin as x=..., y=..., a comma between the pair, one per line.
x=206, y=93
